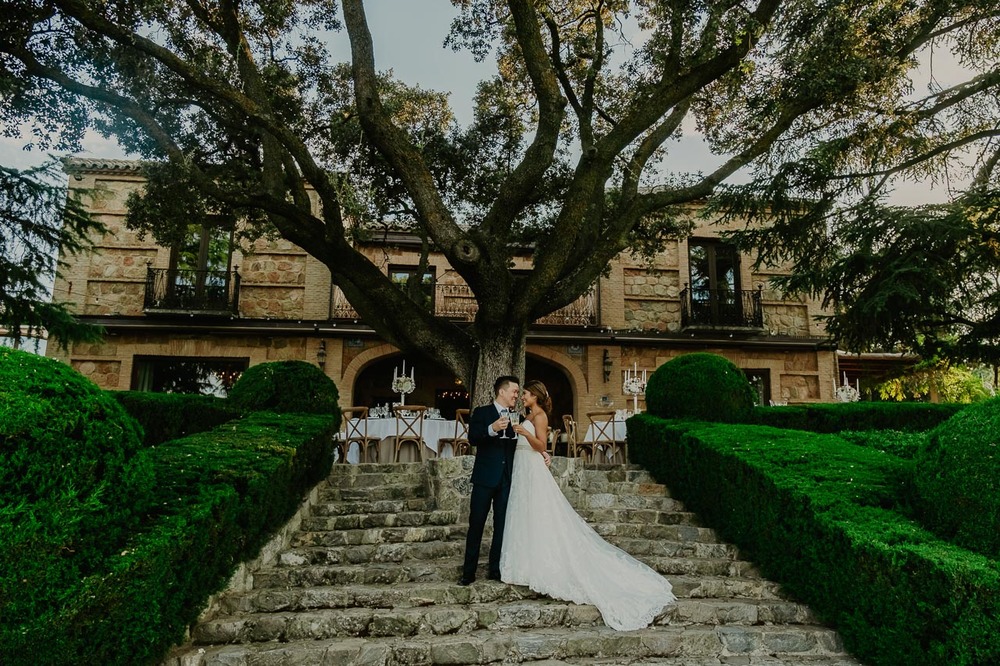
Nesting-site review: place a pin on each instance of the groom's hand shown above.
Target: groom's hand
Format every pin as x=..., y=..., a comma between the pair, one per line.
x=547, y=458
x=500, y=424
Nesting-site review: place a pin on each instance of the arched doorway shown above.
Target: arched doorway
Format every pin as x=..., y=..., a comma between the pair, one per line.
x=557, y=383
x=436, y=386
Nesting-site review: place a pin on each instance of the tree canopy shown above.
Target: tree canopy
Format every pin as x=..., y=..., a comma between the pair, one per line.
x=571, y=146
x=37, y=221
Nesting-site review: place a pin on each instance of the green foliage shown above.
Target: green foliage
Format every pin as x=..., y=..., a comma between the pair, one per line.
x=959, y=479
x=165, y=416
x=951, y=383
x=73, y=480
x=919, y=279
x=898, y=443
x=702, y=387
x=835, y=417
x=37, y=220
x=219, y=496
x=285, y=386
x=821, y=516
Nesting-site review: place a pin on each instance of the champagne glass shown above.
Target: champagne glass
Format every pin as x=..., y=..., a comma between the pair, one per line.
x=515, y=414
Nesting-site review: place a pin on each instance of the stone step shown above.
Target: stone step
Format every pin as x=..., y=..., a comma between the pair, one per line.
x=408, y=594
x=645, y=550
x=376, y=535
x=612, y=501
x=608, y=530
x=638, y=516
x=441, y=619
x=520, y=646
x=380, y=552
x=321, y=523
x=648, y=548
x=365, y=479
x=449, y=569
x=656, y=532
x=623, y=488
x=348, y=508
x=799, y=660
x=374, y=493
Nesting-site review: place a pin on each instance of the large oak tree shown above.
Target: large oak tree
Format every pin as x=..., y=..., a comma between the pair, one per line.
x=571, y=145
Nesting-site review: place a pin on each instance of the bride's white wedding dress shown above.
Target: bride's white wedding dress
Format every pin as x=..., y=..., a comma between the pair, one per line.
x=551, y=549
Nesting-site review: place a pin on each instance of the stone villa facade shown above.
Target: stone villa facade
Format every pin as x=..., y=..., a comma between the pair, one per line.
x=216, y=308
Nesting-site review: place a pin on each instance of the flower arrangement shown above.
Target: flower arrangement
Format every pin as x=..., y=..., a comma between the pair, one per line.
x=403, y=384
x=633, y=386
x=847, y=393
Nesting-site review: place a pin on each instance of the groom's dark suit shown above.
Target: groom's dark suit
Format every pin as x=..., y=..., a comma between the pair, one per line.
x=490, y=486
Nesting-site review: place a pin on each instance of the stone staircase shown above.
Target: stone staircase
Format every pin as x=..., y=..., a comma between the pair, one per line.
x=367, y=574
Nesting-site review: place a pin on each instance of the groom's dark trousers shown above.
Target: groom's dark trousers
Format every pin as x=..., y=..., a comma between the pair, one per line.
x=490, y=487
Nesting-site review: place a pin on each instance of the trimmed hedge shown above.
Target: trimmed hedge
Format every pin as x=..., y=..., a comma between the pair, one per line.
x=818, y=515
x=959, y=478
x=73, y=481
x=219, y=497
x=285, y=387
x=702, y=387
x=165, y=416
x=835, y=417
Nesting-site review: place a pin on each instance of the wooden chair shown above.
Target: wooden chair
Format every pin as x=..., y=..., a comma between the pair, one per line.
x=460, y=442
x=574, y=447
x=606, y=449
x=356, y=430
x=409, y=430
x=550, y=445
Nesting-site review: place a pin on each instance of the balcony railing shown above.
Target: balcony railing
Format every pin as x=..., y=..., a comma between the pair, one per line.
x=721, y=308
x=457, y=302
x=192, y=292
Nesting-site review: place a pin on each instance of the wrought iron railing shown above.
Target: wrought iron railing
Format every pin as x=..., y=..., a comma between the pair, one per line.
x=205, y=292
x=721, y=308
x=457, y=302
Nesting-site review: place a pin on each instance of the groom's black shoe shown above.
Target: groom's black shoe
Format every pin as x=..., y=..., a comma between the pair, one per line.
x=494, y=575
x=463, y=581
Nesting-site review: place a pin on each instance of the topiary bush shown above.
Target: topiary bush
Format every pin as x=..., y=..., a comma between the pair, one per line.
x=700, y=387
x=73, y=480
x=958, y=478
x=285, y=387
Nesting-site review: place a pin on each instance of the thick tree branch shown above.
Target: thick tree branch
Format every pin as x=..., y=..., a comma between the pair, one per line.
x=399, y=150
x=540, y=153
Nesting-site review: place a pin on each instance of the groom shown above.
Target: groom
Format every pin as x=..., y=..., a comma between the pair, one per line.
x=490, y=432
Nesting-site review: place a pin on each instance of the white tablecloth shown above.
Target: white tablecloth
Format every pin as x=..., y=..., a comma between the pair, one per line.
x=618, y=427
x=433, y=430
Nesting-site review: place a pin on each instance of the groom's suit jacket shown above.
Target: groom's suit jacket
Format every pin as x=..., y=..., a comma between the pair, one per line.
x=494, y=455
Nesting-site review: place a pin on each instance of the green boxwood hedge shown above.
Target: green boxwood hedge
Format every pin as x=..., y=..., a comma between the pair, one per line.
x=700, y=386
x=959, y=478
x=819, y=515
x=835, y=417
x=219, y=496
x=73, y=481
x=285, y=387
x=165, y=416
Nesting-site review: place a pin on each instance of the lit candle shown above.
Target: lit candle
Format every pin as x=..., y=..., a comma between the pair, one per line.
x=411, y=373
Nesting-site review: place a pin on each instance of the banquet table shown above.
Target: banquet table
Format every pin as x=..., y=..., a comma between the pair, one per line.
x=384, y=428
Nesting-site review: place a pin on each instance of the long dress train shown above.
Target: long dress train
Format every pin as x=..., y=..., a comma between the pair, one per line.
x=551, y=549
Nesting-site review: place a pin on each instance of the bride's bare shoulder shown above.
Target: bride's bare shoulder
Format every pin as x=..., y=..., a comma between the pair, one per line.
x=540, y=419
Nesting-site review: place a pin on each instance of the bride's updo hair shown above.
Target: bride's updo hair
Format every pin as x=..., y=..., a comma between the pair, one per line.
x=537, y=389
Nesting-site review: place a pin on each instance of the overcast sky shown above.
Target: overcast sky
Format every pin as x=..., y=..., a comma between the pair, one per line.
x=409, y=40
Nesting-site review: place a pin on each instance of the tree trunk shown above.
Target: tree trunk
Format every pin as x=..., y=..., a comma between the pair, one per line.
x=501, y=352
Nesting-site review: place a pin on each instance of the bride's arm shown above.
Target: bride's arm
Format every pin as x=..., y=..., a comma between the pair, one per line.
x=538, y=439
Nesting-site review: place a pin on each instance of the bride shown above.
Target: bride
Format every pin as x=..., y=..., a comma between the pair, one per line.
x=551, y=549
